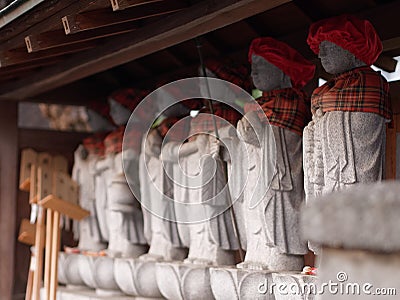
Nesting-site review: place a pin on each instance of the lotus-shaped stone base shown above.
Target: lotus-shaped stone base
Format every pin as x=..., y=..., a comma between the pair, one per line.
x=137, y=277
x=182, y=281
x=98, y=273
x=68, y=269
x=306, y=285
x=233, y=283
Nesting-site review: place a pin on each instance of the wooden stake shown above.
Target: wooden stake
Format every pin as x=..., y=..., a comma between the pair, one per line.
x=49, y=248
x=44, y=181
x=55, y=248
x=29, y=285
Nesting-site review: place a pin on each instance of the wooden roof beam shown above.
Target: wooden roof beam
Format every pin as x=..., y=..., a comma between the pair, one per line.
x=57, y=38
x=386, y=63
x=46, y=16
x=21, y=55
x=201, y=18
x=123, y=4
x=309, y=8
x=105, y=17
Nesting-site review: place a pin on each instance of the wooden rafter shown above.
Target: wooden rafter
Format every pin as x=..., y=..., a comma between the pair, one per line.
x=181, y=26
x=45, y=17
x=123, y=4
x=105, y=17
x=21, y=55
x=386, y=63
x=57, y=38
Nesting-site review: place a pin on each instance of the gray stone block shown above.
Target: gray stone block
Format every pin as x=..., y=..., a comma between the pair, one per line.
x=364, y=217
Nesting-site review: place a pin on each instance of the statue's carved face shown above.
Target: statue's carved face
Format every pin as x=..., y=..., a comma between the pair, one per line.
x=335, y=59
x=119, y=114
x=266, y=76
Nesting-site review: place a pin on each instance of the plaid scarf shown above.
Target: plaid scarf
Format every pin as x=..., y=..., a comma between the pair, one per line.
x=287, y=108
x=94, y=144
x=132, y=139
x=204, y=121
x=359, y=90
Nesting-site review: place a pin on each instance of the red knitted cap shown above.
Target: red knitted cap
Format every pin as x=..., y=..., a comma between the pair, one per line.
x=291, y=62
x=352, y=34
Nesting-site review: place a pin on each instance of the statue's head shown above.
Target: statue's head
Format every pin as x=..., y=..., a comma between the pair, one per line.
x=123, y=102
x=276, y=65
x=266, y=76
x=335, y=59
x=119, y=113
x=226, y=70
x=344, y=43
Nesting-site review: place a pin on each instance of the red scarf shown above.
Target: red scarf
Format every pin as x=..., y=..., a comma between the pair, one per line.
x=358, y=90
x=113, y=141
x=204, y=121
x=95, y=144
x=287, y=108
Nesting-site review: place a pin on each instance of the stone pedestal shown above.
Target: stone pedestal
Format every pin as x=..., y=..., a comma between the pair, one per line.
x=98, y=273
x=68, y=269
x=359, y=274
x=358, y=230
x=65, y=293
x=137, y=277
x=233, y=283
x=294, y=286
x=183, y=281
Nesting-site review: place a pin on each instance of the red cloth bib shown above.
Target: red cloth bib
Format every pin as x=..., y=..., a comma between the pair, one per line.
x=359, y=90
x=287, y=108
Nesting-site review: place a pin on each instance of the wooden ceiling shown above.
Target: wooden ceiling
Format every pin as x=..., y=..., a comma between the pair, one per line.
x=77, y=51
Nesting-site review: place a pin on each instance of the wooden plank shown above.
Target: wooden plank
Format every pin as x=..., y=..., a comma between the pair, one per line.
x=48, y=252
x=27, y=232
x=33, y=185
x=44, y=181
x=123, y=4
x=62, y=142
x=57, y=38
x=105, y=17
x=21, y=55
x=55, y=248
x=28, y=159
x=391, y=44
x=44, y=18
x=176, y=28
x=386, y=63
x=8, y=195
x=68, y=209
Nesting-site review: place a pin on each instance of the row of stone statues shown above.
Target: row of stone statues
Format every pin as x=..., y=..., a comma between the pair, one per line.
x=337, y=138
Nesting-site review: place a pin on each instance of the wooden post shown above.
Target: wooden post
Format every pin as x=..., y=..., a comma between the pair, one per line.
x=8, y=195
x=55, y=248
x=44, y=182
x=49, y=248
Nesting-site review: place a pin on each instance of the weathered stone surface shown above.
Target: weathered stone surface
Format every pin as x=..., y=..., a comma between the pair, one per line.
x=294, y=286
x=358, y=274
x=180, y=281
x=234, y=284
x=362, y=217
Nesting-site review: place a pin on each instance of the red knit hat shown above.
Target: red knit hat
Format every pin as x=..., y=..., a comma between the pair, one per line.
x=355, y=35
x=291, y=62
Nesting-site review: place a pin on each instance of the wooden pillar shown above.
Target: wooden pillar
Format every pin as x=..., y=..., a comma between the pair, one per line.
x=8, y=194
